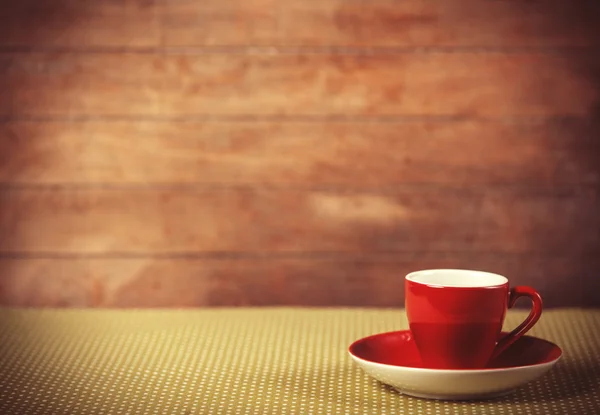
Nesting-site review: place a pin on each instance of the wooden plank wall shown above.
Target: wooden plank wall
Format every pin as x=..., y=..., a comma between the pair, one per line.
x=265, y=152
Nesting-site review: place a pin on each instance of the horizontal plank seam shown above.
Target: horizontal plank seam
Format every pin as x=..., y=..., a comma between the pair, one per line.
x=275, y=49
x=299, y=118
x=554, y=190
x=389, y=256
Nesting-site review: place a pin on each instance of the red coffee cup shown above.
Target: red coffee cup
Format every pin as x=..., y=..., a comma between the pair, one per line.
x=456, y=316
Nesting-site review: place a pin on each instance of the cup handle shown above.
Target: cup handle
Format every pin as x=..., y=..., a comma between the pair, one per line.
x=524, y=327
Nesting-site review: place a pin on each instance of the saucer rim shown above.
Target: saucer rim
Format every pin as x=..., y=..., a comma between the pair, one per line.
x=458, y=371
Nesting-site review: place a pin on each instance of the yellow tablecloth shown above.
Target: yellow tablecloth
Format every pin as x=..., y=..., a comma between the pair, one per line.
x=251, y=361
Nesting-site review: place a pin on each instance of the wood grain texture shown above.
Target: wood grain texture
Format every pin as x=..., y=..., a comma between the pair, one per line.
x=360, y=281
x=77, y=23
x=318, y=85
x=263, y=152
x=379, y=23
x=244, y=219
x=312, y=154
x=327, y=23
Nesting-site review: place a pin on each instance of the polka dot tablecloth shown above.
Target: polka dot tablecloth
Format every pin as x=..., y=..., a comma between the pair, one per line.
x=251, y=361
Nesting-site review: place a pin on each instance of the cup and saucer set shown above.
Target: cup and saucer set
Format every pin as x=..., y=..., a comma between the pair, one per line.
x=455, y=348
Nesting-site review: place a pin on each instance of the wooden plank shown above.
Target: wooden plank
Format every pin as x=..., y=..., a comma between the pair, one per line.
x=77, y=23
x=380, y=23
x=341, y=23
x=297, y=153
x=245, y=219
x=361, y=281
x=317, y=85
x=70, y=84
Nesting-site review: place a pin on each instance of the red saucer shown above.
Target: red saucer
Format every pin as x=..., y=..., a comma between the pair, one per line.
x=399, y=349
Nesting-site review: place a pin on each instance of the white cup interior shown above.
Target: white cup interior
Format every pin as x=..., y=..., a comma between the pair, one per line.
x=457, y=278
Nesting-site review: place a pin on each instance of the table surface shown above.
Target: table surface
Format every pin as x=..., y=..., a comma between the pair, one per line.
x=251, y=361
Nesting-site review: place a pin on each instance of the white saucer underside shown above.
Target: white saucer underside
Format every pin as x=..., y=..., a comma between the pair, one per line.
x=454, y=384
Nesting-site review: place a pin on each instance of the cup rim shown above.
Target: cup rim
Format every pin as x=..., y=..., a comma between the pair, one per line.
x=501, y=279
